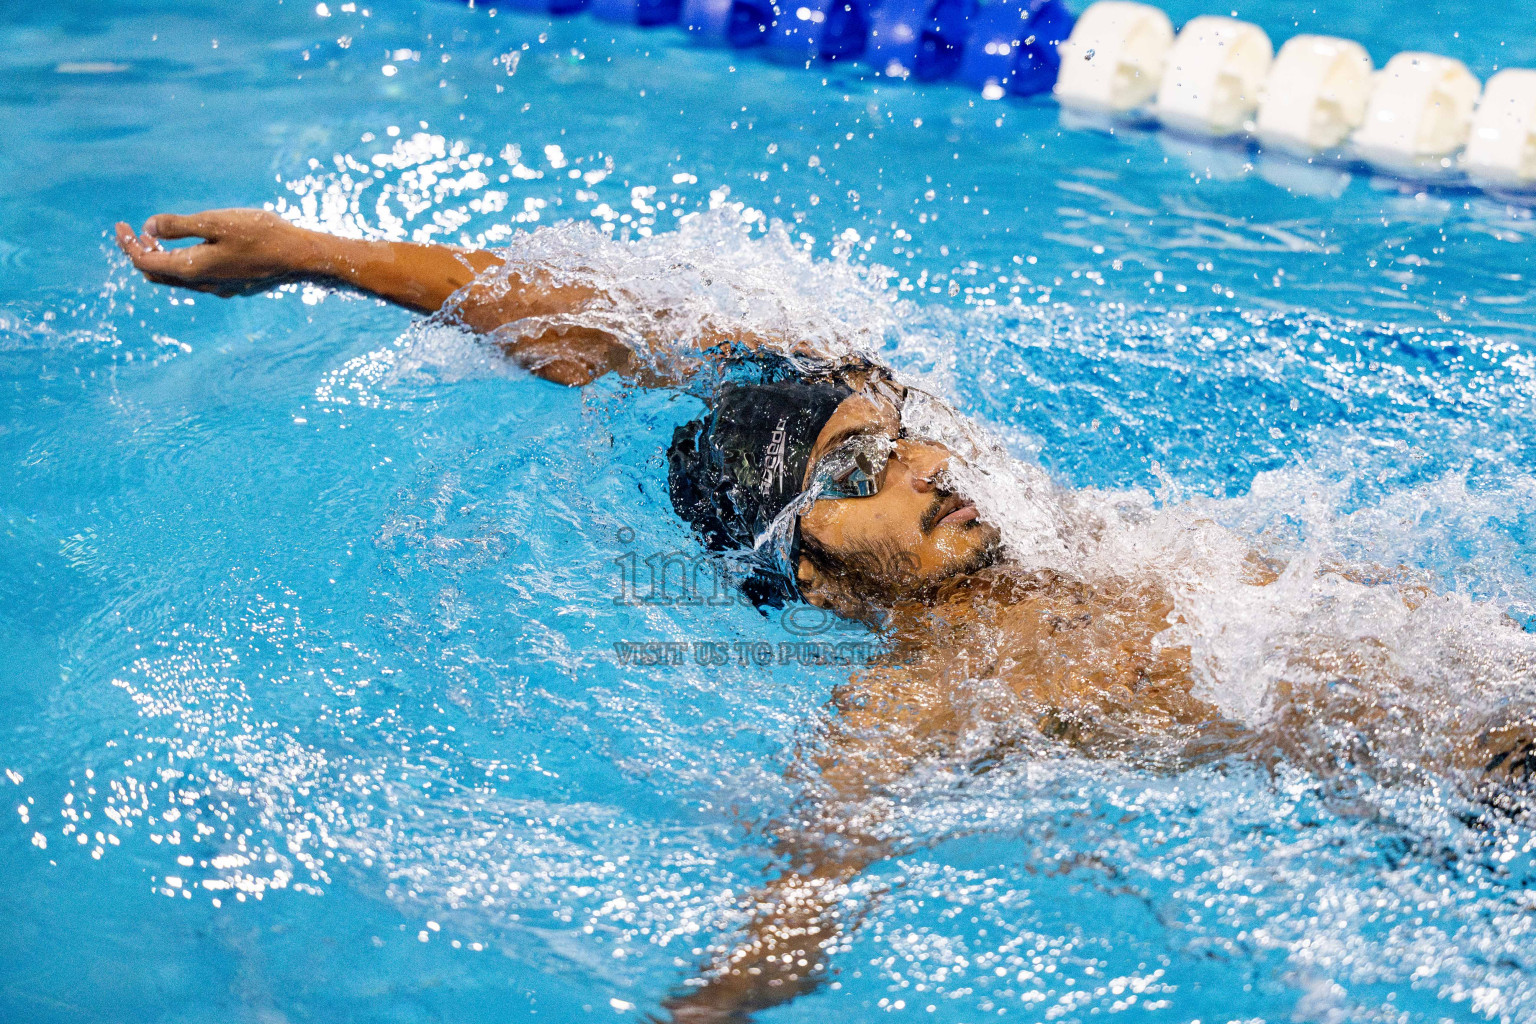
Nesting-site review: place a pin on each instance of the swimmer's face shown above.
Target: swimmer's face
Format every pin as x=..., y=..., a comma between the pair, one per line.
x=903, y=539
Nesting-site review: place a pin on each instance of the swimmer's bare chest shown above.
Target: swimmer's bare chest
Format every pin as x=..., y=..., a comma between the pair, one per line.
x=1089, y=664
x=1005, y=662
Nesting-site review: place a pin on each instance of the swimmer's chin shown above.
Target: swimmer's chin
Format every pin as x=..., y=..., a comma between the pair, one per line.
x=986, y=543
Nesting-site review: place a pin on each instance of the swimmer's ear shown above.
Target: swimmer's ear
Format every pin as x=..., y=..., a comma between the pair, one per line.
x=829, y=592
x=813, y=586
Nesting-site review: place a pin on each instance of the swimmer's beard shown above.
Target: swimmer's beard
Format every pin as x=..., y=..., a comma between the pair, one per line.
x=989, y=554
x=984, y=557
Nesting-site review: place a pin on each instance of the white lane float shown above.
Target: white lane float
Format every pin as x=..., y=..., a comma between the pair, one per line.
x=1419, y=114
x=1315, y=95
x=1115, y=57
x=1215, y=70
x=1501, y=149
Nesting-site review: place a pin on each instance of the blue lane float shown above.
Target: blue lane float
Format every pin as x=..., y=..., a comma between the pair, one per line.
x=820, y=30
x=1011, y=47
x=920, y=38
x=644, y=13
x=739, y=24
x=895, y=36
x=706, y=21
x=1006, y=44
x=541, y=6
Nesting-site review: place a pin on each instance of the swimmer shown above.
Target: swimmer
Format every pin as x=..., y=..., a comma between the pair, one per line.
x=802, y=463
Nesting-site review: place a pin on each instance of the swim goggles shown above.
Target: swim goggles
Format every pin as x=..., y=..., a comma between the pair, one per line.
x=854, y=469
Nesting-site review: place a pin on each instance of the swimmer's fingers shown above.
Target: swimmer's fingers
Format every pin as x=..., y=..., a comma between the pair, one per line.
x=146, y=255
x=131, y=244
x=175, y=269
x=196, y=225
x=142, y=249
x=181, y=265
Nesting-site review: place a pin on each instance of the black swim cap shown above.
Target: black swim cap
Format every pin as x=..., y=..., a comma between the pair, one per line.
x=731, y=472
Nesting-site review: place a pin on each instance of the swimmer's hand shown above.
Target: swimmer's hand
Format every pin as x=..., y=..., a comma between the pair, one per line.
x=242, y=251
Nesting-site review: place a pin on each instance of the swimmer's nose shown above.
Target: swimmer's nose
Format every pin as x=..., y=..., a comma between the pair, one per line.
x=925, y=463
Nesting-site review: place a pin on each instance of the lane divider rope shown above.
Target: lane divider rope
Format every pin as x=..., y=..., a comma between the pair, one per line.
x=1423, y=117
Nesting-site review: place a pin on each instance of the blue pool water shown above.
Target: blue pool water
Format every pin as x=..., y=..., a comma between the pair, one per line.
x=309, y=702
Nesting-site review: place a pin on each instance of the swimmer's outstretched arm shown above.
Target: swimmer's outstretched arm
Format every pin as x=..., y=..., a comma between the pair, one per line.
x=242, y=252
x=248, y=251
